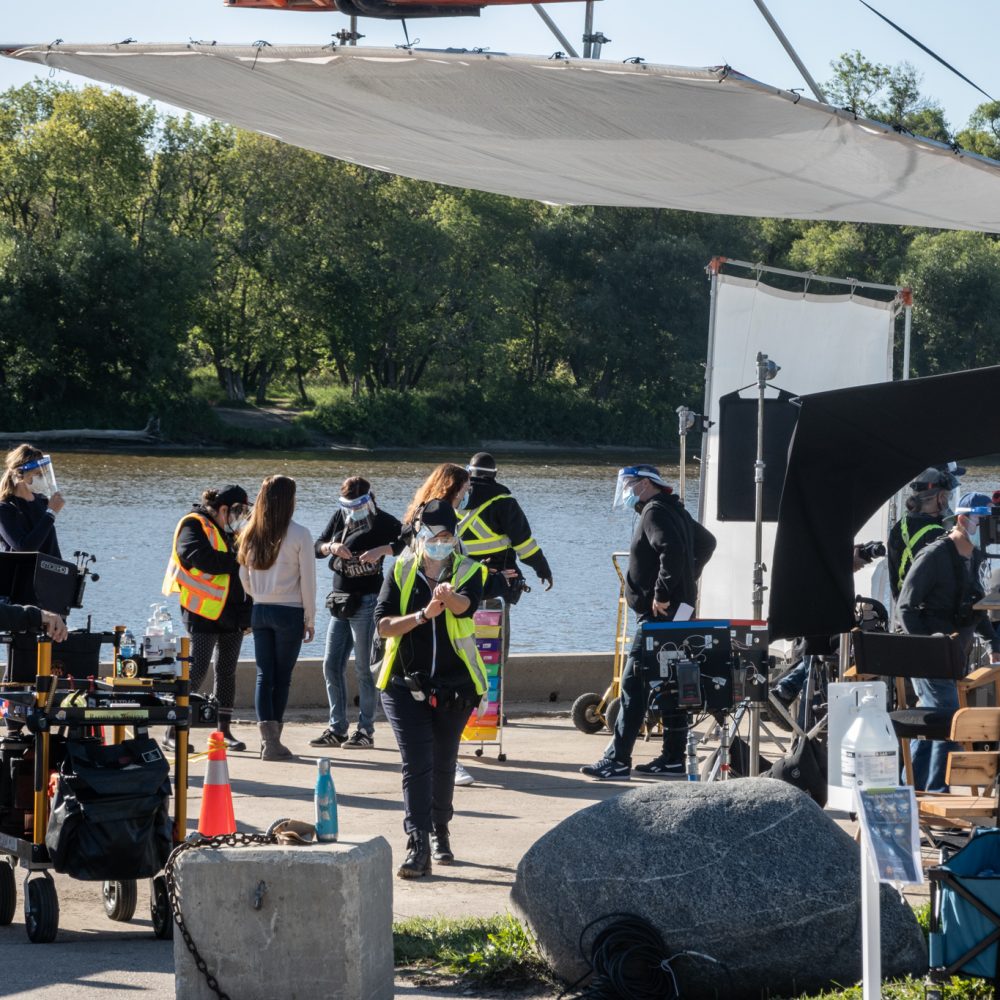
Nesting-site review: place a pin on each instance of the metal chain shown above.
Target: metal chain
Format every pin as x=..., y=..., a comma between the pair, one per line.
x=222, y=840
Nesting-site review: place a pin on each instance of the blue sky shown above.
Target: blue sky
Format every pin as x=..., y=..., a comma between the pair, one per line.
x=675, y=32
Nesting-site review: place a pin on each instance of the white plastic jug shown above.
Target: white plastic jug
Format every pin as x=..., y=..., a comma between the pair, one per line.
x=869, y=753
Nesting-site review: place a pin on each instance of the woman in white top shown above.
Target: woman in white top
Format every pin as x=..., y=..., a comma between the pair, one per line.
x=278, y=570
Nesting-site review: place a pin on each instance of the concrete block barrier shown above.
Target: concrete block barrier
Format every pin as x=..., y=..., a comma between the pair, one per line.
x=321, y=926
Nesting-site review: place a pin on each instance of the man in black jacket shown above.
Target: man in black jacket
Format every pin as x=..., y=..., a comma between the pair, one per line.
x=495, y=531
x=938, y=596
x=927, y=506
x=668, y=552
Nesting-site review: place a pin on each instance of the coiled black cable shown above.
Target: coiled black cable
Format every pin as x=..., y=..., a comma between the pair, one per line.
x=628, y=961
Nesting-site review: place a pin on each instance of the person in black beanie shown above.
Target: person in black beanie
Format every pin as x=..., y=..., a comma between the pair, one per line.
x=494, y=530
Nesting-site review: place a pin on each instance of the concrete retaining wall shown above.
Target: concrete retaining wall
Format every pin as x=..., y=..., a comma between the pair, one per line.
x=530, y=677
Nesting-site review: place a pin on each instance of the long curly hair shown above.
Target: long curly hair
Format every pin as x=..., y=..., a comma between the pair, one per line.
x=261, y=539
x=444, y=483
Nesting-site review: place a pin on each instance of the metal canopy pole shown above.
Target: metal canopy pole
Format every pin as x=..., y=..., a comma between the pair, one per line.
x=588, y=31
x=554, y=28
x=793, y=55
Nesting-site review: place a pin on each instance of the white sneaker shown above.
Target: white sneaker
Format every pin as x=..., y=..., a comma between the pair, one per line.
x=462, y=777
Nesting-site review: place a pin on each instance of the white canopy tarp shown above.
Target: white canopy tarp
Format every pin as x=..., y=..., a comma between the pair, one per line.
x=564, y=131
x=821, y=342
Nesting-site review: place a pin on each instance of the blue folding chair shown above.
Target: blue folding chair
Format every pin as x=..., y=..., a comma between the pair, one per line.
x=965, y=914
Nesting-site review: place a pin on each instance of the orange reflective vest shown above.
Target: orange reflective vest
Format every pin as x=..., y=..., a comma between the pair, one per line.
x=201, y=593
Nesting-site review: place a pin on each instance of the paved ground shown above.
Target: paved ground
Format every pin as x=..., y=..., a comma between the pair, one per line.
x=509, y=807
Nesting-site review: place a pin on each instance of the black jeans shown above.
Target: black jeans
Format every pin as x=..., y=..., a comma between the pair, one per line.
x=428, y=741
x=634, y=699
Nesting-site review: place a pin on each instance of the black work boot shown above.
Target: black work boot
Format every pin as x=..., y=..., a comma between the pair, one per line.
x=441, y=845
x=418, y=856
x=232, y=742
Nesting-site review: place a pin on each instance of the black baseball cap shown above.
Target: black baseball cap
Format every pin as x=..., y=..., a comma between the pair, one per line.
x=439, y=515
x=228, y=495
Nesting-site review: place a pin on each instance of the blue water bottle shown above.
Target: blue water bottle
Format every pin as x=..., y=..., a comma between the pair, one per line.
x=326, y=802
x=126, y=646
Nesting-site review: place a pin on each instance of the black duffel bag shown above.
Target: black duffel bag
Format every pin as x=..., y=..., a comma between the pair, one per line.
x=110, y=818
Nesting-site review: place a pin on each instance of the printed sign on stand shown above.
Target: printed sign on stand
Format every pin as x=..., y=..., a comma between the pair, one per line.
x=888, y=819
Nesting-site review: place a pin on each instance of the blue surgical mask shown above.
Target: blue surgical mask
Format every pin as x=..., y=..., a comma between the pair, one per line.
x=439, y=550
x=360, y=514
x=630, y=500
x=974, y=537
x=463, y=504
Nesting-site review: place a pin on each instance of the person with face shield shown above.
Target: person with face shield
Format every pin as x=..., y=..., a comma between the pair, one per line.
x=668, y=552
x=203, y=569
x=431, y=676
x=29, y=502
x=357, y=538
x=938, y=595
x=927, y=508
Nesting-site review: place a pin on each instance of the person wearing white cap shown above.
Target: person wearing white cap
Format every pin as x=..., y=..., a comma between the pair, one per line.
x=938, y=595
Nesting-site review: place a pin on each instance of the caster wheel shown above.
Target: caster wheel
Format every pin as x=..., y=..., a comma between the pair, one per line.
x=159, y=909
x=41, y=910
x=501, y=757
x=611, y=712
x=585, y=713
x=479, y=752
x=120, y=899
x=8, y=894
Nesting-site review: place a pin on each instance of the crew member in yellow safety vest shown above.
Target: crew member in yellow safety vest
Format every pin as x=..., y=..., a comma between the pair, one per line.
x=493, y=529
x=927, y=508
x=431, y=676
x=204, y=571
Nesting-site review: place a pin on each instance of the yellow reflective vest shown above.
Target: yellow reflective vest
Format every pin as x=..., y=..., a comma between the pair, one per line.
x=461, y=631
x=201, y=593
x=479, y=539
x=909, y=544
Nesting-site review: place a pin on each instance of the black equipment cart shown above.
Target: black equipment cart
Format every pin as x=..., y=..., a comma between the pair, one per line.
x=109, y=818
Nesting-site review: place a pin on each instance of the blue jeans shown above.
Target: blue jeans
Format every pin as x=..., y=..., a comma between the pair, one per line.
x=277, y=639
x=634, y=701
x=342, y=634
x=930, y=757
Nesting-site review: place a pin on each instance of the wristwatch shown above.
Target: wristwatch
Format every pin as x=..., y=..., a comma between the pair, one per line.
x=421, y=617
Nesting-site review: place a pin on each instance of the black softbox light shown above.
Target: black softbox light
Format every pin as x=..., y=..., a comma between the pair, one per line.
x=853, y=449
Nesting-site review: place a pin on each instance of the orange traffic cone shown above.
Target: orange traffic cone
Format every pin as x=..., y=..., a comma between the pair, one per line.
x=217, y=815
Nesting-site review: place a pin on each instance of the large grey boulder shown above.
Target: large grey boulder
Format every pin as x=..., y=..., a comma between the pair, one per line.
x=750, y=872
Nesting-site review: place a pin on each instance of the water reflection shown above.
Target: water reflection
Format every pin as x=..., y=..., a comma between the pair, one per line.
x=124, y=509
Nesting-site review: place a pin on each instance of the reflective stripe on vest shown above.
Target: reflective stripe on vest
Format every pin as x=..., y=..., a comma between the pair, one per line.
x=478, y=538
x=909, y=543
x=201, y=593
x=461, y=631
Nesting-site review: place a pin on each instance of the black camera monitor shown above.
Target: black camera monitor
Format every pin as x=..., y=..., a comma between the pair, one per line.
x=689, y=664
x=35, y=578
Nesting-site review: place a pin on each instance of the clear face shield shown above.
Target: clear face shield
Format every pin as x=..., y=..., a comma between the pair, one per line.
x=39, y=476
x=359, y=510
x=625, y=487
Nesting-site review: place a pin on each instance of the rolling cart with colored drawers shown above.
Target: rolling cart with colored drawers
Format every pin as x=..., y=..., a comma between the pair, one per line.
x=485, y=725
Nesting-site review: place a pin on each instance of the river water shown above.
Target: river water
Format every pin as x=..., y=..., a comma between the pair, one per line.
x=123, y=508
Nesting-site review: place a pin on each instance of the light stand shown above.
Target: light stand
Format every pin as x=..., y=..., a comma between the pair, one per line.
x=687, y=420
x=766, y=370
